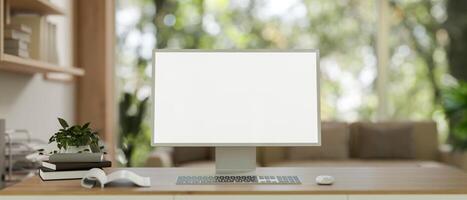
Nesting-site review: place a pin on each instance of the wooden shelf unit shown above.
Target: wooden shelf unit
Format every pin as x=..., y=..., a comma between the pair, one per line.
x=42, y=7
x=23, y=65
x=14, y=63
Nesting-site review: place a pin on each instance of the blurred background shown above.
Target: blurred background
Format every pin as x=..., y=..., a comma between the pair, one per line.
x=387, y=60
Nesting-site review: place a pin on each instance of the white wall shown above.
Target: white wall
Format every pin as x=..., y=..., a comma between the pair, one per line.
x=32, y=103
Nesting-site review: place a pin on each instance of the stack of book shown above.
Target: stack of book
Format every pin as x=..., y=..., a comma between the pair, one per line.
x=64, y=166
x=17, y=39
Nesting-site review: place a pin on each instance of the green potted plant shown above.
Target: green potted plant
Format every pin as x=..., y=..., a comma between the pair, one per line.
x=454, y=102
x=75, y=139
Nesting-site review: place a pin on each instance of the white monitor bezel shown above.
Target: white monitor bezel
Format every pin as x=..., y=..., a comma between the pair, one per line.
x=152, y=100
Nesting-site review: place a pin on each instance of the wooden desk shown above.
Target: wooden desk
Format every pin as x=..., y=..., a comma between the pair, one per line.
x=352, y=183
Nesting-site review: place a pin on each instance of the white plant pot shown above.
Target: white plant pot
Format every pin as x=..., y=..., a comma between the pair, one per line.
x=76, y=149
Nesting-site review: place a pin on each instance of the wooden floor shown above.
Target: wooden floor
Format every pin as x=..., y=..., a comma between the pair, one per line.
x=349, y=180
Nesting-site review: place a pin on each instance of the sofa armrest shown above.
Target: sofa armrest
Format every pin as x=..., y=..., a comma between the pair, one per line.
x=454, y=158
x=161, y=157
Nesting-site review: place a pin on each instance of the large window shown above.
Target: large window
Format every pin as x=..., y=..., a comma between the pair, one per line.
x=417, y=62
x=350, y=35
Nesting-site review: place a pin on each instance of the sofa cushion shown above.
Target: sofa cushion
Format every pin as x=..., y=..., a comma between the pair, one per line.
x=334, y=144
x=183, y=155
x=356, y=163
x=267, y=155
x=332, y=163
x=199, y=164
x=424, y=133
x=376, y=142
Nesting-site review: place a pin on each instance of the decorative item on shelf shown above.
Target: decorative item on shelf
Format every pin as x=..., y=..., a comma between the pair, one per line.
x=52, y=54
x=76, y=139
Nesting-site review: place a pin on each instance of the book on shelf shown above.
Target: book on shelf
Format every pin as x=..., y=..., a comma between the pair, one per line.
x=47, y=174
x=65, y=166
x=17, y=52
x=15, y=44
x=17, y=35
x=19, y=27
x=16, y=40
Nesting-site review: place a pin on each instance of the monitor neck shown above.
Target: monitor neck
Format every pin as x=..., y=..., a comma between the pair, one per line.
x=235, y=160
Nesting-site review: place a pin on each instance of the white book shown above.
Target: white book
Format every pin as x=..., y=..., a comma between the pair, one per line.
x=47, y=174
x=17, y=52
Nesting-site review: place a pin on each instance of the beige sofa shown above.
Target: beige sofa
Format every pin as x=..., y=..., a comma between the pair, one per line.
x=382, y=144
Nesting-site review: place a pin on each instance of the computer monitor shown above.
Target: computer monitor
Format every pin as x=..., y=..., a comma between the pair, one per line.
x=236, y=101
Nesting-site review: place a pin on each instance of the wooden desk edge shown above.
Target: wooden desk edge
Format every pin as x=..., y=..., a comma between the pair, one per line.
x=452, y=182
x=104, y=192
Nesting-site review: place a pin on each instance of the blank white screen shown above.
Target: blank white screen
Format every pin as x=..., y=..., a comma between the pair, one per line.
x=228, y=98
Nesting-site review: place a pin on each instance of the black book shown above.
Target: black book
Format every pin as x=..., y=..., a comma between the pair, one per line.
x=66, y=166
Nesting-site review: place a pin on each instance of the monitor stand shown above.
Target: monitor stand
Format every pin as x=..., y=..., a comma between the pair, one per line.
x=235, y=160
x=236, y=165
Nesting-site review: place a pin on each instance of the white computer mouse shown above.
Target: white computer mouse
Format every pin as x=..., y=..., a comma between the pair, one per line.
x=324, y=180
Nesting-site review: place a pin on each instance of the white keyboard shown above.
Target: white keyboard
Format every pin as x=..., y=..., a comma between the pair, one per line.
x=234, y=180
